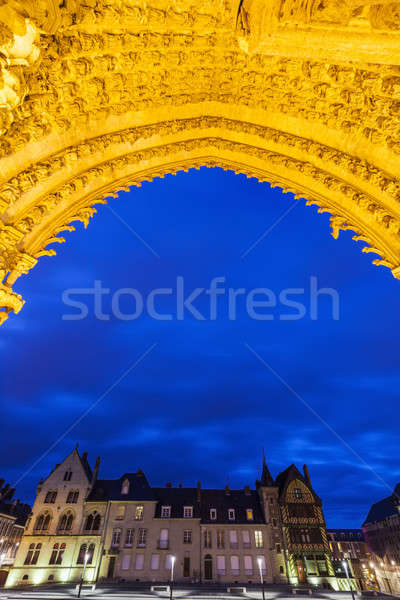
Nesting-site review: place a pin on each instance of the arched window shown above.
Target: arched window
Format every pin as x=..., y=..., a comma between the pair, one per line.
x=50, y=578
x=33, y=554
x=50, y=497
x=57, y=554
x=42, y=522
x=96, y=522
x=82, y=551
x=89, y=523
x=65, y=522
x=93, y=522
x=125, y=487
x=25, y=578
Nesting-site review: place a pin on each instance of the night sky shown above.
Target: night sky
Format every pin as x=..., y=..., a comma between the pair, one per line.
x=200, y=404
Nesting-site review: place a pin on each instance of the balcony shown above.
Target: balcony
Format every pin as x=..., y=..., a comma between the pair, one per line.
x=249, y=572
x=163, y=544
x=246, y=545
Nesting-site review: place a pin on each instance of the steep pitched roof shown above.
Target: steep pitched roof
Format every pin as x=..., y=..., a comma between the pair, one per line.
x=284, y=478
x=385, y=508
x=110, y=489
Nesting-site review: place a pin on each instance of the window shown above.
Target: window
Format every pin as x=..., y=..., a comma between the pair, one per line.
x=125, y=487
x=43, y=522
x=72, y=497
x=207, y=539
x=248, y=565
x=278, y=548
x=50, y=497
x=120, y=512
x=165, y=512
x=139, y=564
x=235, y=565
x=249, y=514
x=168, y=562
x=281, y=569
x=231, y=514
x=298, y=494
x=67, y=475
x=57, y=554
x=213, y=514
x=142, y=537
x=163, y=542
x=188, y=512
x=65, y=522
x=246, y=539
x=116, y=537
x=221, y=565
x=33, y=554
x=259, y=539
x=139, y=513
x=155, y=562
x=233, y=539
x=126, y=562
x=93, y=522
x=129, y=537
x=187, y=536
x=261, y=564
x=274, y=523
x=220, y=539
x=85, y=550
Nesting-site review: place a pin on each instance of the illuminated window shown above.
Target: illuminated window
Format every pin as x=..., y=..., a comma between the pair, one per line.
x=213, y=514
x=188, y=512
x=249, y=514
x=120, y=512
x=261, y=563
x=139, y=512
x=231, y=514
x=168, y=562
x=165, y=512
x=259, y=539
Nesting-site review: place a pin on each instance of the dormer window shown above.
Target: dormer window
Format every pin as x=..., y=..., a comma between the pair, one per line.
x=213, y=514
x=165, y=512
x=231, y=514
x=249, y=514
x=68, y=475
x=188, y=512
x=125, y=487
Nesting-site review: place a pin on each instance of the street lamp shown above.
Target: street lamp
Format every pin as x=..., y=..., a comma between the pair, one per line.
x=344, y=563
x=173, y=558
x=85, y=562
x=260, y=566
x=2, y=557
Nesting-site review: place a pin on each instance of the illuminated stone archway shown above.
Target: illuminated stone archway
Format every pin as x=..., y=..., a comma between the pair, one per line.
x=99, y=95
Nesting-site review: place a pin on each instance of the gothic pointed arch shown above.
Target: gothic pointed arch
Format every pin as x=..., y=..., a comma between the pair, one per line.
x=110, y=94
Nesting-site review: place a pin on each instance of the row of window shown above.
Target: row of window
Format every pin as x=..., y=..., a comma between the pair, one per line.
x=57, y=554
x=188, y=513
x=223, y=538
x=156, y=563
x=42, y=523
x=51, y=496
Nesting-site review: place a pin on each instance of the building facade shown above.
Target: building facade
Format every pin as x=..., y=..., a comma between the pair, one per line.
x=381, y=529
x=131, y=531
x=350, y=545
x=13, y=516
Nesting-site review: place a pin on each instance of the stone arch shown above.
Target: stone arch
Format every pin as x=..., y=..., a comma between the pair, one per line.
x=124, y=93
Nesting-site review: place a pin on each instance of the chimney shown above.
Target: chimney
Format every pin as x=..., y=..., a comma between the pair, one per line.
x=227, y=490
x=307, y=476
x=168, y=484
x=180, y=486
x=198, y=491
x=84, y=457
x=247, y=490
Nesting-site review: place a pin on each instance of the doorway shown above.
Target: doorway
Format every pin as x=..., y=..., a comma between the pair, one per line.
x=111, y=566
x=208, y=567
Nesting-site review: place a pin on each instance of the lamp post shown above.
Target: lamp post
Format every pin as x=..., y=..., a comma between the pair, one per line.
x=85, y=561
x=2, y=557
x=173, y=558
x=260, y=566
x=344, y=563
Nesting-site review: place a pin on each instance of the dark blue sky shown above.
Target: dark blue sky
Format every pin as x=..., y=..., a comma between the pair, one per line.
x=200, y=405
